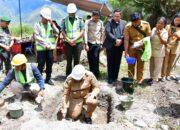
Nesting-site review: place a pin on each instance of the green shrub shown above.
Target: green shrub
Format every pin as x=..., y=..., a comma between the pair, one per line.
x=26, y=30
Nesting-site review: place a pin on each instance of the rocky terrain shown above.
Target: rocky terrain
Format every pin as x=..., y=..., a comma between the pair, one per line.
x=155, y=107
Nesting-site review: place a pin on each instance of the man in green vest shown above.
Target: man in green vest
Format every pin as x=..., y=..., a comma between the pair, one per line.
x=25, y=76
x=44, y=33
x=6, y=42
x=72, y=31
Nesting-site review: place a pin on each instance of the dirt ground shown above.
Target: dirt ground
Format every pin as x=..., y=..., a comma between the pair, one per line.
x=155, y=107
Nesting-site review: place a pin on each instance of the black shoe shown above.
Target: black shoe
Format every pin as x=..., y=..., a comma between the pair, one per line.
x=50, y=82
x=110, y=81
x=150, y=82
x=87, y=120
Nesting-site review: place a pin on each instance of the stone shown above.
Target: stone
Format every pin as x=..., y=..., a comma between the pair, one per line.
x=165, y=127
x=1, y=102
x=140, y=123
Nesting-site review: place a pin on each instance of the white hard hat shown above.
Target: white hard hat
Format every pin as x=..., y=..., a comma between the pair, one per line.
x=78, y=72
x=71, y=8
x=46, y=13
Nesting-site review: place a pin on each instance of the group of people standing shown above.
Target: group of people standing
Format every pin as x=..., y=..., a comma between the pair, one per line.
x=116, y=36
x=81, y=86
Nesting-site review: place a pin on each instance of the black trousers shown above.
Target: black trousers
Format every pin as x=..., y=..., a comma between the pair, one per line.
x=45, y=57
x=93, y=58
x=7, y=62
x=72, y=52
x=114, y=56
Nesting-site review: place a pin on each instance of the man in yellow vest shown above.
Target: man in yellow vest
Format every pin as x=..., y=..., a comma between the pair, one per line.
x=25, y=75
x=45, y=42
x=72, y=31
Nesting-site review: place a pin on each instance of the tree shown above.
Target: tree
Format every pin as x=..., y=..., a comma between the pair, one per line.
x=150, y=9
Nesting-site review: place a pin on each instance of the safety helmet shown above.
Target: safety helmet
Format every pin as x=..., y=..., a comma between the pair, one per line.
x=46, y=13
x=71, y=8
x=18, y=60
x=5, y=19
x=78, y=72
x=135, y=16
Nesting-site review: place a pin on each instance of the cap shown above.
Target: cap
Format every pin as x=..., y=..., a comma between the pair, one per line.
x=5, y=18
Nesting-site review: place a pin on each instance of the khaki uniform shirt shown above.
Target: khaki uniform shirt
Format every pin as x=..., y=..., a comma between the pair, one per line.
x=80, y=89
x=173, y=44
x=94, y=32
x=135, y=35
x=158, y=49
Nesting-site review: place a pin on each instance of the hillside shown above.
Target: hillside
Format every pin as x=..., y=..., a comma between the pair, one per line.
x=30, y=10
x=57, y=13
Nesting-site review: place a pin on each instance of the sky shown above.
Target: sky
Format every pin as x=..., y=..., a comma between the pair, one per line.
x=29, y=5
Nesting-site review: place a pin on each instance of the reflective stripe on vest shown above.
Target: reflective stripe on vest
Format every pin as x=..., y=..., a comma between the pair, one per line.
x=47, y=35
x=72, y=31
x=29, y=75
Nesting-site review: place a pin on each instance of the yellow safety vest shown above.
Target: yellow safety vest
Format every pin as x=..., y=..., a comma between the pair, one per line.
x=29, y=75
x=72, y=31
x=47, y=35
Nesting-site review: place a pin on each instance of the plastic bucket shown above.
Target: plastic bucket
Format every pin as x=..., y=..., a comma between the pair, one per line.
x=130, y=60
x=126, y=101
x=128, y=84
x=15, y=110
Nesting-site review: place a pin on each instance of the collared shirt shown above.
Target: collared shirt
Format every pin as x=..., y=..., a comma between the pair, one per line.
x=135, y=35
x=80, y=89
x=94, y=32
x=158, y=49
x=173, y=45
x=11, y=75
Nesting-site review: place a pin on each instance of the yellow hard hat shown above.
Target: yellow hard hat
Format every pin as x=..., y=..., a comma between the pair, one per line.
x=18, y=59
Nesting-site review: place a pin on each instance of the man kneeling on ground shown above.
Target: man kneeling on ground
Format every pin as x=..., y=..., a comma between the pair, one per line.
x=25, y=76
x=81, y=87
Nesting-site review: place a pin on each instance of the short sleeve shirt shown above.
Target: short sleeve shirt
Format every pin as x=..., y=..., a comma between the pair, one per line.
x=135, y=35
x=158, y=49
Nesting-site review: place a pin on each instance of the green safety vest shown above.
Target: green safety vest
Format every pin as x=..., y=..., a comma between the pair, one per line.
x=72, y=31
x=29, y=75
x=47, y=35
